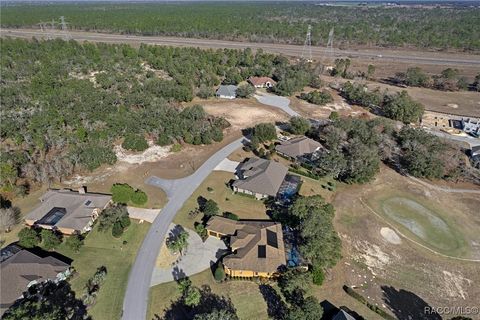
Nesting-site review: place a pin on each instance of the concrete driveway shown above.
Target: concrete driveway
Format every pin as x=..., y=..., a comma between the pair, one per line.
x=227, y=165
x=281, y=103
x=143, y=214
x=198, y=257
x=178, y=191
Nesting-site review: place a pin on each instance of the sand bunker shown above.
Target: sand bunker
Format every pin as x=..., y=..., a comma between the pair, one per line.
x=390, y=235
x=152, y=154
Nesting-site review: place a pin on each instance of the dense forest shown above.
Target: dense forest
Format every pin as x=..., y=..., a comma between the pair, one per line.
x=435, y=28
x=65, y=104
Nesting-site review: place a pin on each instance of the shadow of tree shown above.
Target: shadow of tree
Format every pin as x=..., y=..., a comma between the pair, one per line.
x=406, y=305
x=276, y=307
x=178, y=273
x=208, y=303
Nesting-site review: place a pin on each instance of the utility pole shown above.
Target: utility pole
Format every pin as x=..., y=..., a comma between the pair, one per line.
x=307, y=47
x=63, y=24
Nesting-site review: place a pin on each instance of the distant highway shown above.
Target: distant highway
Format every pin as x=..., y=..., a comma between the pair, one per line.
x=434, y=58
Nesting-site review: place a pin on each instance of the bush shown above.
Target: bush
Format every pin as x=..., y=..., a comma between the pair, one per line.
x=28, y=238
x=210, y=208
x=74, y=242
x=245, y=91
x=176, y=147
x=299, y=125
x=200, y=230
x=317, y=97
x=121, y=192
x=117, y=229
x=50, y=240
x=135, y=143
x=264, y=132
x=164, y=140
x=219, y=274
x=139, y=197
x=318, y=276
x=231, y=216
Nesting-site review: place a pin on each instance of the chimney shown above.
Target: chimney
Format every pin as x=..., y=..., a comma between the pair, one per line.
x=82, y=190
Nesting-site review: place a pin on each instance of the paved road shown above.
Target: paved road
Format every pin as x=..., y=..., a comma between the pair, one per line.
x=136, y=296
x=291, y=50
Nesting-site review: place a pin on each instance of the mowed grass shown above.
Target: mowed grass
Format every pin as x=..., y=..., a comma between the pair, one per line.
x=244, y=207
x=245, y=296
x=102, y=249
x=421, y=221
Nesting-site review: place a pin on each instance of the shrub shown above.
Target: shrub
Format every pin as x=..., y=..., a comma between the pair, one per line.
x=28, y=238
x=200, y=230
x=117, y=229
x=299, y=125
x=219, y=274
x=245, y=91
x=318, y=276
x=121, y=192
x=74, y=242
x=50, y=240
x=139, y=197
x=231, y=216
x=317, y=97
x=135, y=143
x=164, y=140
x=210, y=208
x=177, y=147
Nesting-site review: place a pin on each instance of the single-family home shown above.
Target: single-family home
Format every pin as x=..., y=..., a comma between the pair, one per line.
x=70, y=212
x=23, y=269
x=301, y=148
x=259, y=177
x=257, y=248
x=227, y=92
x=262, y=82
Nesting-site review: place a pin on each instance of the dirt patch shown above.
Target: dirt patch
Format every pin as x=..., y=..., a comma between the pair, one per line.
x=456, y=286
x=390, y=235
x=243, y=113
x=152, y=154
x=165, y=258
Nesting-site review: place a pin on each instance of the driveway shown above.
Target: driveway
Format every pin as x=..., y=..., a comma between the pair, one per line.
x=277, y=102
x=227, y=165
x=135, y=302
x=143, y=214
x=198, y=257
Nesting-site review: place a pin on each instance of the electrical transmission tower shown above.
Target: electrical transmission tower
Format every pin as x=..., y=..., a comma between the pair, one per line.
x=307, y=47
x=330, y=43
x=63, y=25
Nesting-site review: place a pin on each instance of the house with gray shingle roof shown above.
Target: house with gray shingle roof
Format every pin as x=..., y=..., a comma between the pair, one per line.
x=227, y=92
x=68, y=211
x=259, y=177
x=24, y=269
x=298, y=148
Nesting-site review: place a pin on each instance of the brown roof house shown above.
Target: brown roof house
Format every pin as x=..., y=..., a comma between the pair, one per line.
x=24, y=269
x=68, y=211
x=262, y=82
x=259, y=177
x=299, y=148
x=257, y=246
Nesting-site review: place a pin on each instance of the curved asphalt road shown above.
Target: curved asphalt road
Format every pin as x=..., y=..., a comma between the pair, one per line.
x=136, y=296
x=290, y=50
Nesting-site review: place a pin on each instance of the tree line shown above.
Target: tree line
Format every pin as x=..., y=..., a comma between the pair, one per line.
x=438, y=28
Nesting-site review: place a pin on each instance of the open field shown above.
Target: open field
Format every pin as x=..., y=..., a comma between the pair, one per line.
x=102, y=249
x=391, y=265
x=244, y=207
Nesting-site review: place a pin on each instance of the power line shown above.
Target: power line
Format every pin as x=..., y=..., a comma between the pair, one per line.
x=307, y=47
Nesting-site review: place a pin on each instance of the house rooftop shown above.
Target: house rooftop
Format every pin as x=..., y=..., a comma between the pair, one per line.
x=257, y=245
x=67, y=209
x=258, y=81
x=297, y=147
x=22, y=268
x=227, y=90
x=261, y=176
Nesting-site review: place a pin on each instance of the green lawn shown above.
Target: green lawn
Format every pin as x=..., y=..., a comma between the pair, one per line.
x=101, y=248
x=245, y=296
x=244, y=207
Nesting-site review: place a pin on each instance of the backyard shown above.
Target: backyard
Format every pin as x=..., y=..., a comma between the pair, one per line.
x=215, y=188
x=117, y=255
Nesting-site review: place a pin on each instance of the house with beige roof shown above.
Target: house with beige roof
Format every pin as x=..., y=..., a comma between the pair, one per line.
x=300, y=148
x=24, y=269
x=70, y=212
x=257, y=246
x=260, y=178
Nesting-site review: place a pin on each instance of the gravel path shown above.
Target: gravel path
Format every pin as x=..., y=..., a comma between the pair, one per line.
x=276, y=101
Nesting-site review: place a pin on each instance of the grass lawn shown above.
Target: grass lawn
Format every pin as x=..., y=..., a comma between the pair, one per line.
x=101, y=248
x=245, y=296
x=244, y=207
